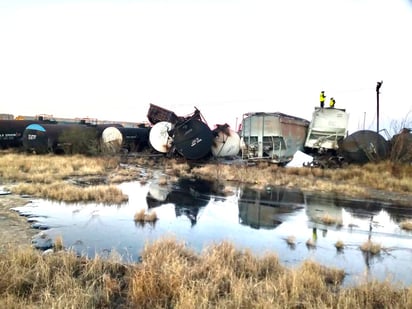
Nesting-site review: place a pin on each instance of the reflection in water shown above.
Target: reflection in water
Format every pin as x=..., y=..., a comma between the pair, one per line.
x=264, y=209
x=258, y=220
x=188, y=196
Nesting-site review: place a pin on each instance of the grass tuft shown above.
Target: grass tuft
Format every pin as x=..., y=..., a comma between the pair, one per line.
x=406, y=225
x=371, y=247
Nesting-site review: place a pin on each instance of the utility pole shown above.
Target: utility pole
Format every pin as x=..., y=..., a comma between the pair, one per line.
x=378, y=86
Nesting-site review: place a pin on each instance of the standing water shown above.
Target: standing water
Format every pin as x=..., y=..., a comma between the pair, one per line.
x=295, y=225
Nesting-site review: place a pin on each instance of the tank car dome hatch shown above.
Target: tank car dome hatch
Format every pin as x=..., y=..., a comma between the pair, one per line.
x=159, y=136
x=226, y=142
x=364, y=146
x=112, y=139
x=193, y=139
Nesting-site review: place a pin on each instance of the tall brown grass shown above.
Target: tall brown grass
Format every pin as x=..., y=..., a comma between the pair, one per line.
x=353, y=180
x=47, y=176
x=406, y=225
x=173, y=276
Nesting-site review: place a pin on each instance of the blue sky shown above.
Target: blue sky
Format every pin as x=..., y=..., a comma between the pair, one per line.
x=110, y=59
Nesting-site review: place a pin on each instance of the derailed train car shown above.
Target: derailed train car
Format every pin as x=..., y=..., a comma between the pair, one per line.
x=328, y=127
x=58, y=138
x=11, y=131
x=273, y=137
x=188, y=136
x=115, y=139
x=364, y=146
x=63, y=138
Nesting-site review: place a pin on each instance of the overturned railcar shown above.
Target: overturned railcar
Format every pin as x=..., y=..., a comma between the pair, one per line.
x=272, y=137
x=192, y=139
x=328, y=127
x=226, y=142
x=364, y=146
x=188, y=136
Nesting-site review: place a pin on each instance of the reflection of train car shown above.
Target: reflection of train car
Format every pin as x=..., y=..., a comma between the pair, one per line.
x=189, y=196
x=272, y=137
x=264, y=209
x=318, y=206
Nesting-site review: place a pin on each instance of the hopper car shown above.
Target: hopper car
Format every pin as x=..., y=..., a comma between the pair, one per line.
x=273, y=137
x=328, y=127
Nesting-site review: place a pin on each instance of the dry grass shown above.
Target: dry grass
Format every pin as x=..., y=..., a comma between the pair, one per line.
x=339, y=245
x=141, y=216
x=406, y=225
x=291, y=240
x=173, y=276
x=62, y=191
x=371, y=247
x=352, y=180
x=47, y=176
x=327, y=219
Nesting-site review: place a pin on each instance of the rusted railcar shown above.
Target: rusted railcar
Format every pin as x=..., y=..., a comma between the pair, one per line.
x=157, y=114
x=272, y=137
x=401, y=146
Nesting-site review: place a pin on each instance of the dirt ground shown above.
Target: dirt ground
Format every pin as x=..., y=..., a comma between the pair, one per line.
x=14, y=229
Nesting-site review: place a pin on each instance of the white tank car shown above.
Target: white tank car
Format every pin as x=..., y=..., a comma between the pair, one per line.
x=112, y=140
x=159, y=136
x=226, y=142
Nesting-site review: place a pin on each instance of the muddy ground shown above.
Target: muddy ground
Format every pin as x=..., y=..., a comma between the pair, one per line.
x=14, y=229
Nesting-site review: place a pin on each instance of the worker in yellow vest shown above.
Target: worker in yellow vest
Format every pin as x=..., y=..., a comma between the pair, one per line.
x=332, y=103
x=322, y=99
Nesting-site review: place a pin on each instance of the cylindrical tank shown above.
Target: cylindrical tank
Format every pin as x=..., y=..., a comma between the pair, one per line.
x=135, y=139
x=159, y=136
x=11, y=132
x=364, y=146
x=112, y=140
x=193, y=139
x=226, y=142
x=44, y=138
